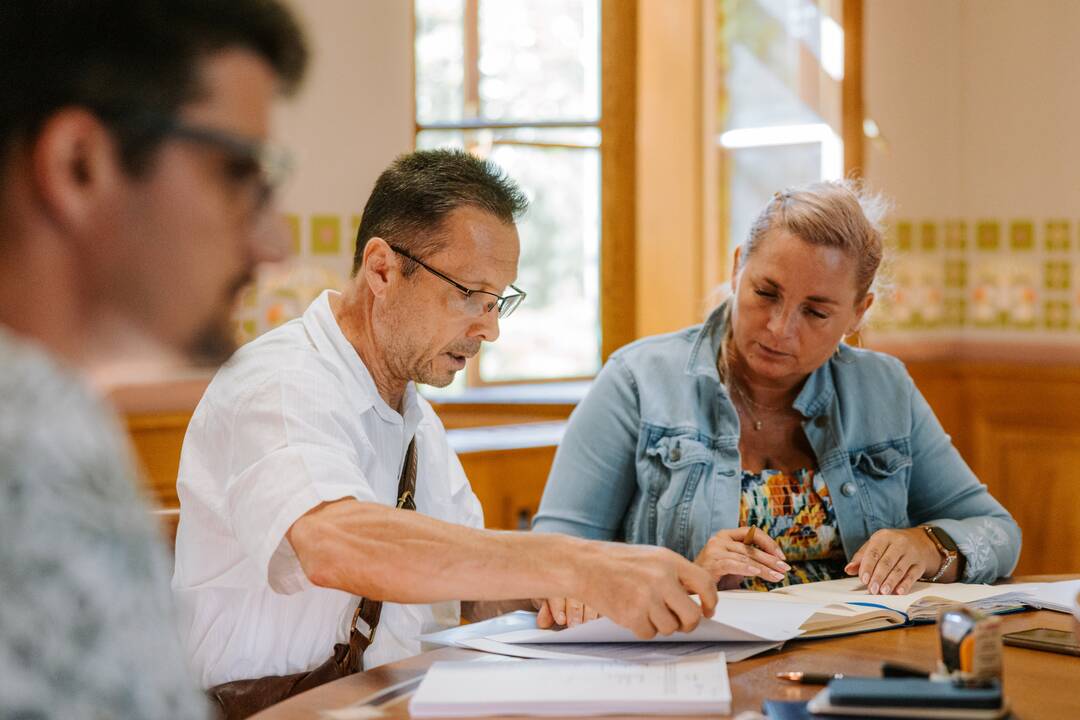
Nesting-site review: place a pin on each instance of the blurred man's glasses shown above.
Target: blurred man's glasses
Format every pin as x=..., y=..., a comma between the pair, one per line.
x=478, y=301
x=263, y=166
x=260, y=168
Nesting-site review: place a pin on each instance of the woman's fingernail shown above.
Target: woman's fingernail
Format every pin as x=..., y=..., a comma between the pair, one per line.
x=775, y=575
x=784, y=566
x=885, y=589
x=562, y=619
x=865, y=578
x=874, y=588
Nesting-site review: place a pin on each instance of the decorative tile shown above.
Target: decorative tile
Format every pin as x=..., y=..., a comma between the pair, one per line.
x=904, y=242
x=956, y=274
x=292, y=223
x=325, y=235
x=1007, y=279
x=955, y=311
x=928, y=237
x=988, y=235
x=1057, y=235
x=1022, y=235
x=1057, y=274
x=354, y=231
x=1056, y=314
x=955, y=235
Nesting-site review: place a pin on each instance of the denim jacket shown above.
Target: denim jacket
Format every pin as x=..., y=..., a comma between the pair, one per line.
x=651, y=455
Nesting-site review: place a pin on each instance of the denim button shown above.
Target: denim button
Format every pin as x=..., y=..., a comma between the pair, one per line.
x=821, y=421
x=675, y=455
x=848, y=489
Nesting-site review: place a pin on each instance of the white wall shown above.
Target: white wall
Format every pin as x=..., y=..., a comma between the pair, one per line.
x=979, y=101
x=355, y=110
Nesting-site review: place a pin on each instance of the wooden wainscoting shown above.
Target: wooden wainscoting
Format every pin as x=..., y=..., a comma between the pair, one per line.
x=1018, y=426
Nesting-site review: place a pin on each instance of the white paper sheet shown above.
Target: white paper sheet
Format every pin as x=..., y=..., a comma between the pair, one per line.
x=625, y=652
x=1059, y=596
x=579, y=687
x=741, y=618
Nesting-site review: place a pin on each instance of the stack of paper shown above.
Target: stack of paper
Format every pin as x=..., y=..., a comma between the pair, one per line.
x=696, y=686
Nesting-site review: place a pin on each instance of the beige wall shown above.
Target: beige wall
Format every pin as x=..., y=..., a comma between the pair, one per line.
x=354, y=113
x=979, y=104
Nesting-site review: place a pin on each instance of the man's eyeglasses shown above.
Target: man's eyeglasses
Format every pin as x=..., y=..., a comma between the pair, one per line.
x=261, y=167
x=479, y=301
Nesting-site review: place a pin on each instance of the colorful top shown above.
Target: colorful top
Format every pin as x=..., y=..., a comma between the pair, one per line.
x=798, y=514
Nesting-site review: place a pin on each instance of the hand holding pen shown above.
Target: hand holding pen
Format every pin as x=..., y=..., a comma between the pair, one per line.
x=731, y=555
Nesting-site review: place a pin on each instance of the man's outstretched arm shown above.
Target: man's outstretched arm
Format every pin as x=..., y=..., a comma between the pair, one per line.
x=399, y=556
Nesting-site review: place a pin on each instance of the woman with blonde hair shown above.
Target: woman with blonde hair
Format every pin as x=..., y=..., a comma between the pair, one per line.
x=764, y=447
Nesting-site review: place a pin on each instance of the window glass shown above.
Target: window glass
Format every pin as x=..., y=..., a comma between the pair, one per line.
x=539, y=60
x=440, y=60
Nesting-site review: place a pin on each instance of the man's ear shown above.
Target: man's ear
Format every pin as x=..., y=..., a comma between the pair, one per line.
x=74, y=167
x=380, y=264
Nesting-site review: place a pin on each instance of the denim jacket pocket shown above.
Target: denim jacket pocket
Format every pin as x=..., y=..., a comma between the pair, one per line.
x=677, y=465
x=884, y=471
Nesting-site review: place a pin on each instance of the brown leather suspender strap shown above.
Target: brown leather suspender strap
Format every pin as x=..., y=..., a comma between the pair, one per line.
x=242, y=698
x=371, y=610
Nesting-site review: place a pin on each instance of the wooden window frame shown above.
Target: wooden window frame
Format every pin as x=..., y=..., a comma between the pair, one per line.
x=616, y=124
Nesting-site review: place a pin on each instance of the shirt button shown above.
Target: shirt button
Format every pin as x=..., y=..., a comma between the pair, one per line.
x=848, y=489
x=675, y=455
x=821, y=421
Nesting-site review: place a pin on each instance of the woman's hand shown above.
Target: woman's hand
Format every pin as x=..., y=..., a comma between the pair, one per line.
x=892, y=560
x=565, y=612
x=730, y=560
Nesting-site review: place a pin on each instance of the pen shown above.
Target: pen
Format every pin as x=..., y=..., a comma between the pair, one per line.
x=807, y=678
x=887, y=670
x=749, y=539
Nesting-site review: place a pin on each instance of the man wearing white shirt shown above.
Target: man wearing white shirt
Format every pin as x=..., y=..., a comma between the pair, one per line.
x=293, y=460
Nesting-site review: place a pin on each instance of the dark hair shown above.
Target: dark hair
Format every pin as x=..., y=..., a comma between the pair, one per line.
x=124, y=59
x=414, y=195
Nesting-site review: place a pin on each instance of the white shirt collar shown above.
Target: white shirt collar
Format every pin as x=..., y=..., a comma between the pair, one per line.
x=330, y=341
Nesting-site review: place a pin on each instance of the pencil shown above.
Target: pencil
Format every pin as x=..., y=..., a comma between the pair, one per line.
x=749, y=539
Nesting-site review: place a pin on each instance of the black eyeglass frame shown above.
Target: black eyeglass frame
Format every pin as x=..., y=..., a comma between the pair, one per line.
x=506, y=304
x=271, y=162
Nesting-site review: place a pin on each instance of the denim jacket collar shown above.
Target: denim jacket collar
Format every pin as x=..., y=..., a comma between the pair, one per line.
x=816, y=394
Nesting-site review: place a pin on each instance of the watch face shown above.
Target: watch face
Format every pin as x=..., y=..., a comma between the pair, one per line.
x=943, y=538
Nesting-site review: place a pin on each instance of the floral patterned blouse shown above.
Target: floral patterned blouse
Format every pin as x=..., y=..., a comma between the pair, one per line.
x=797, y=512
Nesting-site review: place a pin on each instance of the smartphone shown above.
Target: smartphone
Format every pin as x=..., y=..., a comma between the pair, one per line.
x=1057, y=641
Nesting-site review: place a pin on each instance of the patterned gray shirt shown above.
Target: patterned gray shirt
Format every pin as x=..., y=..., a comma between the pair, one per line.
x=86, y=620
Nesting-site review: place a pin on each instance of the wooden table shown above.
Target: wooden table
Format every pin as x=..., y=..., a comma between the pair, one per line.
x=1038, y=684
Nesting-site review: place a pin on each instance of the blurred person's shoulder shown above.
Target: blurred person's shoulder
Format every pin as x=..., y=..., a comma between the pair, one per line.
x=81, y=563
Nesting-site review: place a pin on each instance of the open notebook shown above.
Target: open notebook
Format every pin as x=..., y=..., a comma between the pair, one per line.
x=743, y=617
x=926, y=599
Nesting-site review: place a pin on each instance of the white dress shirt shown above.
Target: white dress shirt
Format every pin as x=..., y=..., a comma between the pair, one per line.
x=291, y=421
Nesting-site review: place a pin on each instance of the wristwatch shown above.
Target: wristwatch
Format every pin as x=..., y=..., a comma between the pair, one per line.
x=945, y=546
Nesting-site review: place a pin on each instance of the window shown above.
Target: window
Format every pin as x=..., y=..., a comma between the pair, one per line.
x=518, y=82
x=783, y=113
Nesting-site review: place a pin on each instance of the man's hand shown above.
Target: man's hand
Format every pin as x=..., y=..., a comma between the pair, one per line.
x=644, y=588
x=891, y=561
x=729, y=560
x=567, y=612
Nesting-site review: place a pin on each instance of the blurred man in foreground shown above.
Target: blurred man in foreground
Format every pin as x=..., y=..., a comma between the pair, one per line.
x=135, y=177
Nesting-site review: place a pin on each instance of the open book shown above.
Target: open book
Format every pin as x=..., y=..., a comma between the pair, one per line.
x=812, y=610
x=850, y=597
